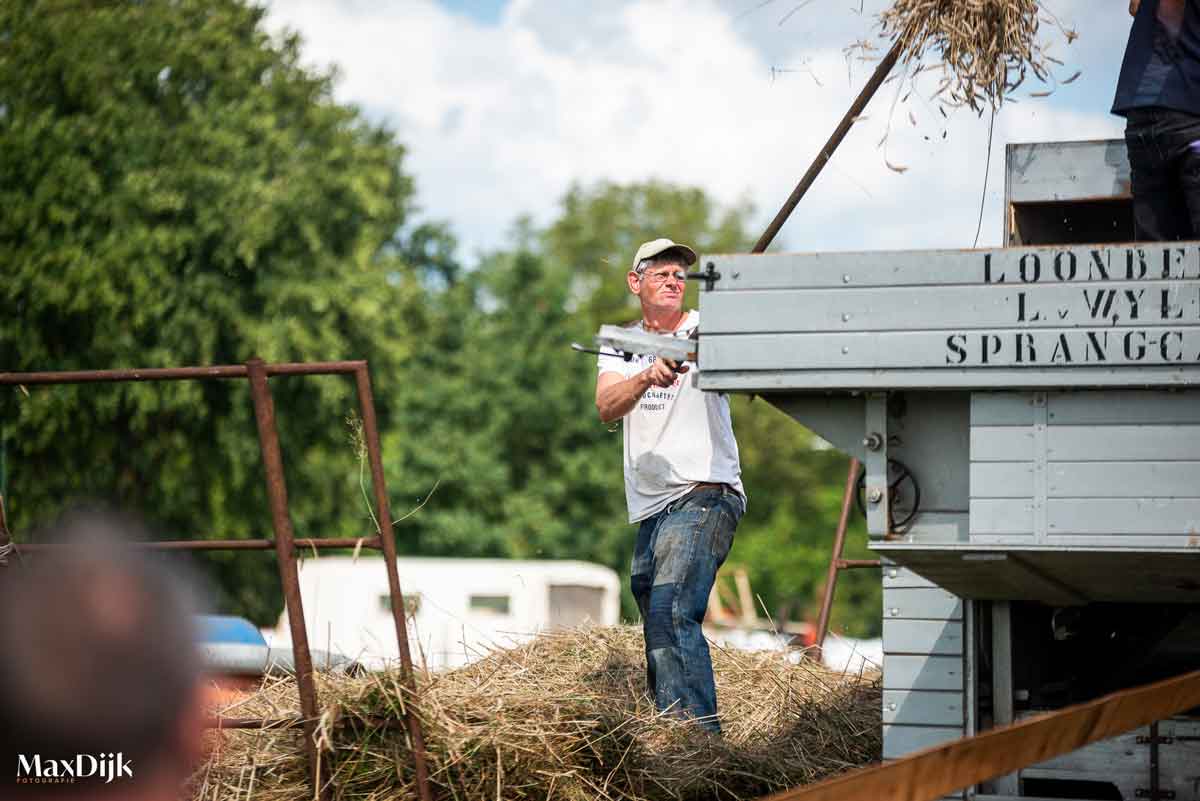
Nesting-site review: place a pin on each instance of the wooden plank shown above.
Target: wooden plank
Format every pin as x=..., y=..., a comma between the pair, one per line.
x=1045, y=171
x=742, y=272
x=1123, y=443
x=1154, y=543
x=1001, y=479
x=1151, y=479
x=1118, y=573
x=940, y=527
x=901, y=740
x=922, y=672
x=921, y=603
x=895, y=576
x=1001, y=516
x=971, y=307
x=1001, y=444
x=1124, y=407
x=922, y=637
x=1103, y=516
x=1001, y=409
x=946, y=767
x=1057, y=348
x=732, y=379
x=923, y=708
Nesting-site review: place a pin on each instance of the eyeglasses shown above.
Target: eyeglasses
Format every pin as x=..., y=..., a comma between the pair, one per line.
x=658, y=279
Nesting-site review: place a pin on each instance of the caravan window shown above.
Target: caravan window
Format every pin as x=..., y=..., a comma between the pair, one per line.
x=575, y=604
x=489, y=604
x=412, y=603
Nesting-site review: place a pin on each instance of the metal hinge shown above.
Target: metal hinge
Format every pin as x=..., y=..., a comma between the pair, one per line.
x=710, y=276
x=1143, y=739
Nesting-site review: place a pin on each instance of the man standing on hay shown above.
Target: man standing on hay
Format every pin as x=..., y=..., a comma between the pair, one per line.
x=682, y=485
x=1158, y=93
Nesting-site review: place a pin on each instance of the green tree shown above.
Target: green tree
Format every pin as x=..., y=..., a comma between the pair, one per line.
x=176, y=189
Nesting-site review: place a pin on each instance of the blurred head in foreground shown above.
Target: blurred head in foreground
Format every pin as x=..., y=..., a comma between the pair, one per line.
x=100, y=684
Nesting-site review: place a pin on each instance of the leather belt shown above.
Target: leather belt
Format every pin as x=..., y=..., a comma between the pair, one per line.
x=703, y=485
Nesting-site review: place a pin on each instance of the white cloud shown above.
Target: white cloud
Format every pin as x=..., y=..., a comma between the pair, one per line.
x=501, y=119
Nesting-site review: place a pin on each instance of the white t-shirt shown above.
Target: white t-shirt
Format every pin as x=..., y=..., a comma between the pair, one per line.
x=674, y=437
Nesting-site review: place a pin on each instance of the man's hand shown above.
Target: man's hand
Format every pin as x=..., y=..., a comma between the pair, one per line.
x=1133, y=7
x=663, y=372
x=616, y=395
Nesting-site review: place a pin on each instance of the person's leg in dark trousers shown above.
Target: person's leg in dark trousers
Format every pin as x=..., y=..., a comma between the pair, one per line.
x=688, y=543
x=1164, y=161
x=1157, y=200
x=1180, y=137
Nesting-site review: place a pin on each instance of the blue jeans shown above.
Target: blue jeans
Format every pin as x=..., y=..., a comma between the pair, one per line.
x=675, y=563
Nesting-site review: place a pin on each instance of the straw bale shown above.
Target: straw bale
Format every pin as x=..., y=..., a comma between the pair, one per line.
x=564, y=717
x=986, y=47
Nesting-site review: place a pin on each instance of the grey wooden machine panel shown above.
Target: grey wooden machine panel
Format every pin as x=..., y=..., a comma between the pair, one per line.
x=923, y=668
x=1070, y=316
x=1086, y=469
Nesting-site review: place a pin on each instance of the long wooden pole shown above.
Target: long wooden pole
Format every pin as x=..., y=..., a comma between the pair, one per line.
x=839, y=133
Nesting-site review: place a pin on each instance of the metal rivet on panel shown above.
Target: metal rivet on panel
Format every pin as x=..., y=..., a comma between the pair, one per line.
x=895, y=612
x=845, y=279
x=845, y=349
x=846, y=317
x=893, y=573
x=891, y=707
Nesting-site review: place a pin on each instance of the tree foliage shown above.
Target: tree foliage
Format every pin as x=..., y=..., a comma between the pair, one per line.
x=176, y=189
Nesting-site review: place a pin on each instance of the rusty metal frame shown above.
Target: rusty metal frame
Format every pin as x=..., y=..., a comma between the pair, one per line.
x=837, y=563
x=284, y=542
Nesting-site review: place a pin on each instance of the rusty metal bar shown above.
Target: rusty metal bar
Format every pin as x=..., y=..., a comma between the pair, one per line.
x=839, y=133
x=177, y=373
x=285, y=551
x=935, y=772
x=853, y=564
x=217, y=545
x=831, y=575
x=383, y=512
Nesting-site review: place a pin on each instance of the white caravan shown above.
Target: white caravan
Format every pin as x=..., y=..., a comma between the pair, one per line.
x=458, y=609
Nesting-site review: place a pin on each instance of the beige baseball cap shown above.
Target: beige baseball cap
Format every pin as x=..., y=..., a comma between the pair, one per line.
x=656, y=247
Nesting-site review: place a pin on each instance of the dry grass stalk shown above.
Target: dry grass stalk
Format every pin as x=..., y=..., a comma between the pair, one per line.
x=562, y=718
x=986, y=47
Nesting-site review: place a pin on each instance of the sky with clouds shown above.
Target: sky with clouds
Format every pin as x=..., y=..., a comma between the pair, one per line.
x=504, y=103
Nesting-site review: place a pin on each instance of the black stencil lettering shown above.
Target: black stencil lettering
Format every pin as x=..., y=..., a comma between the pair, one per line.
x=987, y=271
x=1097, y=347
x=1099, y=264
x=1104, y=298
x=1025, y=350
x=1140, y=350
x=986, y=340
x=1028, y=260
x=1168, y=307
x=1162, y=346
x=1062, y=350
x=1176, y=256
x=1133, y=302
x=956, y=343
x=1130, y=253
x=1064, y=272
x=1021, y=311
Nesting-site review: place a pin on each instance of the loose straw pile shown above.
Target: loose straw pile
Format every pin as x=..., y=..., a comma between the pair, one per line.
x=562, y=718
x=987, y=47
